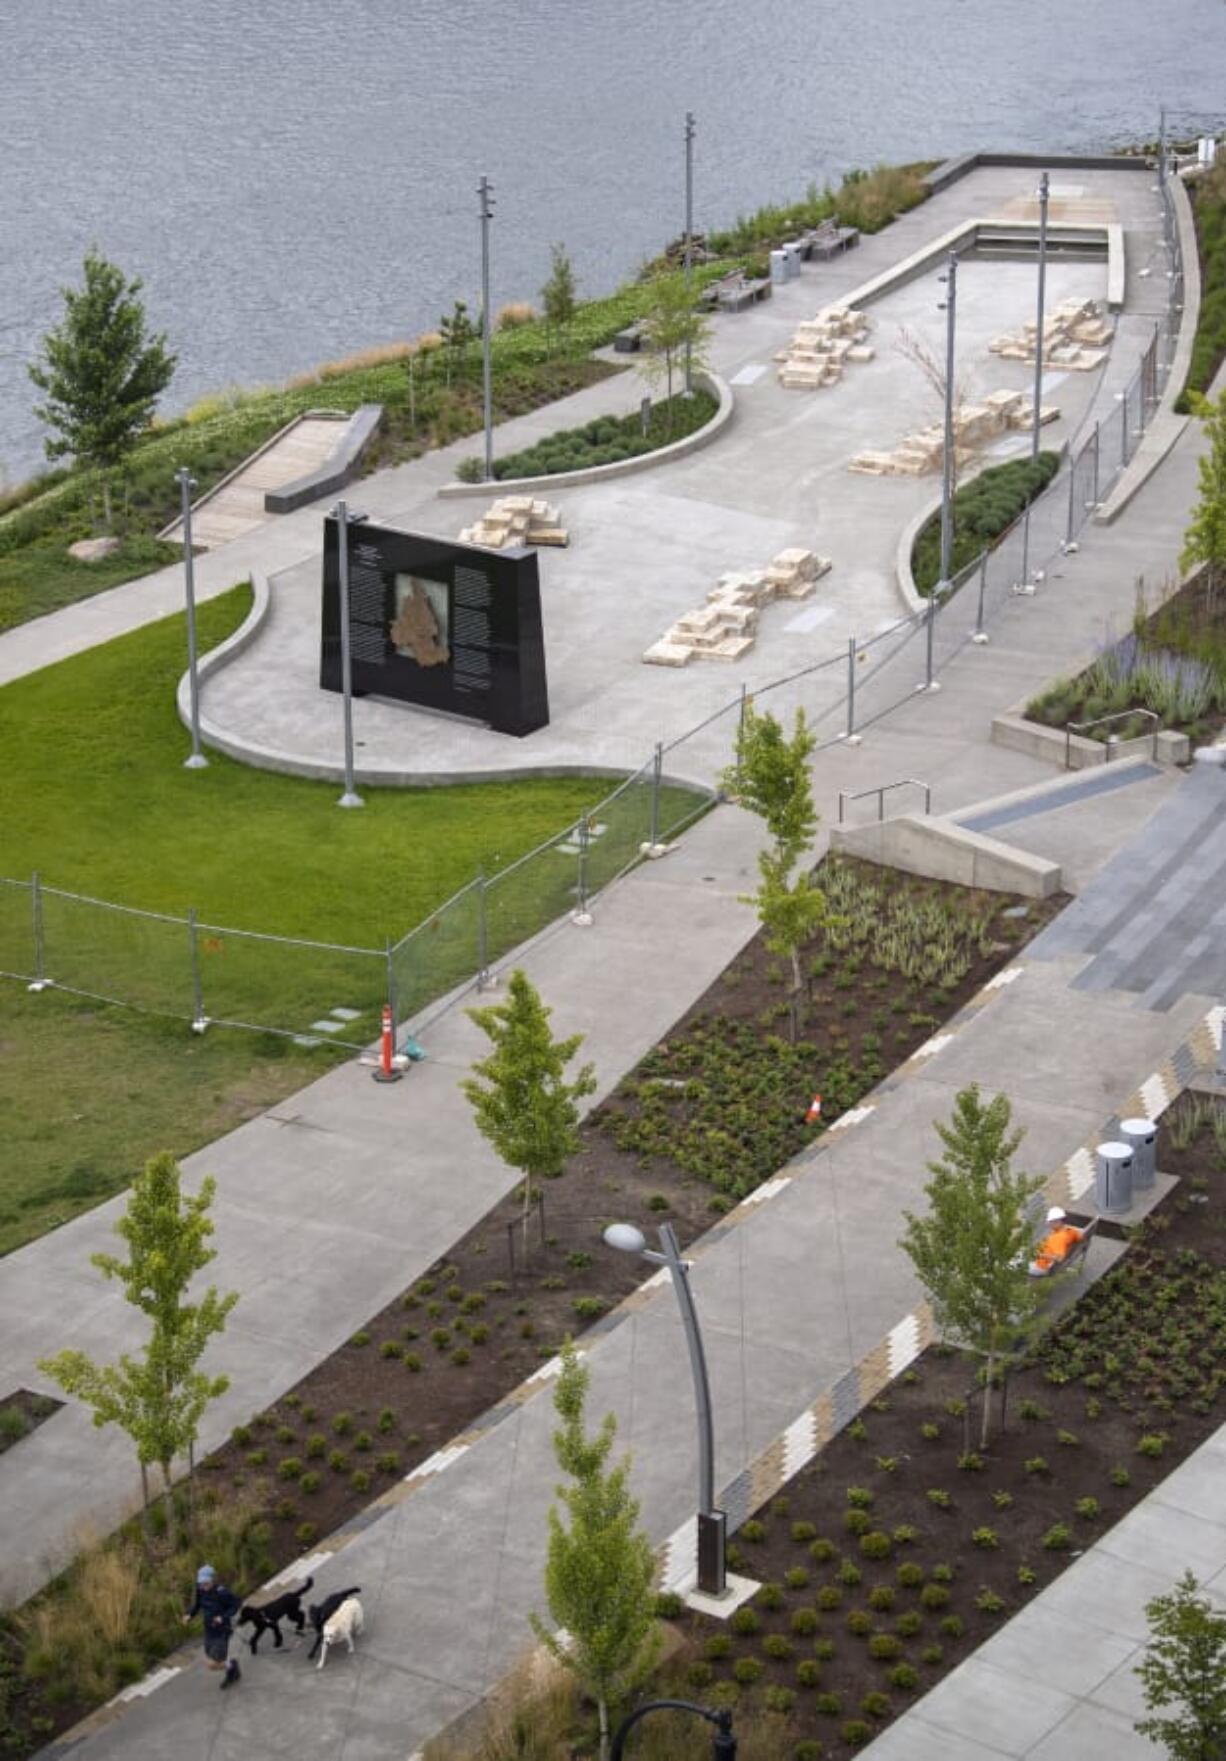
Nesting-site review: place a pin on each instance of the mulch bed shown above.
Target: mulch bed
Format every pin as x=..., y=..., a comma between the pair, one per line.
x=32, y=1410
x=845, y=1635
x=484, y=1317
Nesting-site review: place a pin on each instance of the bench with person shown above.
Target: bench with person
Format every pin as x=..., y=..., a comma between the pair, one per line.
x=1062, y=1246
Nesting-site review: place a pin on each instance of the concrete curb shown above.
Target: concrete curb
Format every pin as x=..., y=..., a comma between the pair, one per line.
x=1013, y=731
x=340, y=467
x=665, y=455
x=939, y=848
x=225, y=652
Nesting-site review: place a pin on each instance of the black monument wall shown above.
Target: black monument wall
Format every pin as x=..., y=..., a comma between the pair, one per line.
x=441, y=625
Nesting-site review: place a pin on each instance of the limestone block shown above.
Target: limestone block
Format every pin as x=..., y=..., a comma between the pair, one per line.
x=871, y=464
x=1002, y=404
x=555, y=535
x=665, y=654
x=858, y=352
x=802, y=561
x=731, y=648
x=797, y=588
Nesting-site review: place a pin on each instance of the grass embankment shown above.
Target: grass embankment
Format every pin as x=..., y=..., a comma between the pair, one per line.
x=983, y=510
x=94, y=796
x=1208, y=197
x=533, y=365
x=607, y=440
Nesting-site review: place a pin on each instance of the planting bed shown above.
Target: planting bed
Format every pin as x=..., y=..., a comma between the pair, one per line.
x=903, y=1545
x=1172, y=662
x=22, y=1412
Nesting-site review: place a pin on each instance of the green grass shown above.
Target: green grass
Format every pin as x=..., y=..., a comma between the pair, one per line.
x=983, y=509
x=42, y=578
x=93, y=794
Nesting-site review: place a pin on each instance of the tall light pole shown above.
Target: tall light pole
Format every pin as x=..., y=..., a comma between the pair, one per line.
x=712, y=1523
x=1044, y=192
x=949, y=305
x=340, y=514
x=485, y=191
x=186, y=482
x=689, y=237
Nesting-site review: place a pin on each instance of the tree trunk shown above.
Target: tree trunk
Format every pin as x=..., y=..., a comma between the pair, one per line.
x=106, y=503
x=191, y=1486
x=602, y=1712
x=144, y=1508
x=794, y=999
x=172, y=1521
x=987, y=1400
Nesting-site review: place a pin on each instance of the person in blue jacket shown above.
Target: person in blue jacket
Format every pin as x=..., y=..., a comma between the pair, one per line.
x=218, y=1606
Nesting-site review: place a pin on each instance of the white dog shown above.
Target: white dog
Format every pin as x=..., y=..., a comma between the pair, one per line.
x=345, y=1624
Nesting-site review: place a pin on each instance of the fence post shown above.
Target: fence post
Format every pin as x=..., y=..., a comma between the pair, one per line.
x=930, y=683
x=581, y=915
x=1072, y=489
x=853, y=739
x=740, y=729
x=391, y=989
x=484, y=981
x=1124, y=427
x=1094, y=496
x=980, y=636
x=654, y=847
x=41, y=981
x=199, y=1018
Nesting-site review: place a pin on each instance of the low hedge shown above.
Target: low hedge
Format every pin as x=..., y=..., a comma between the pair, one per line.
x=1209, y=348
x=983, y=510
x=604, y=441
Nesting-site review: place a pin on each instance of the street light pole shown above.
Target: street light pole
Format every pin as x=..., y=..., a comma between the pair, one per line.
x=340, y=514
x=712, y=1523
x=186, y=482
x=1044, y=192
x=689, y=237
x=723, y=1744
x=485, y=190
x=949, y=305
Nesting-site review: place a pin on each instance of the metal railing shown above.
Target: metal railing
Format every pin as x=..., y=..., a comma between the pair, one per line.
x=846, y=796
x=1101, y=721
x=200, y=972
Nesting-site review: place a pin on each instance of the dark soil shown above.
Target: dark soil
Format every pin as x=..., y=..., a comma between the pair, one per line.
x=485, y=1317
x=1125, y=1386
x=31, y=1410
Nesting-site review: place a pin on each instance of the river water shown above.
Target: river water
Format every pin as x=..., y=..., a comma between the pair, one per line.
x=295, y=179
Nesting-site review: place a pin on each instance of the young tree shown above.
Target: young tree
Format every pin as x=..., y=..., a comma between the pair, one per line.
x=1205, y=539
x=671, y=326
x=932, y=369
x=158, y=1399
x=101, y=374
x=972, y=1251
x=771, y=779
x=1185, y=1668
x=791, y=910
x=457, y=332
x=519, y=1093
x=558, y=293
x=599, y=1574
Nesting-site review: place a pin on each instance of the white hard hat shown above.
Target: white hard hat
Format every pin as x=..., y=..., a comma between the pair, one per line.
x=1055, y=1215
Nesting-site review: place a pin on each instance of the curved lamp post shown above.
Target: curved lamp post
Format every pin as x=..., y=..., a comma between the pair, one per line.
x=712, y=1523
x=723, y=1744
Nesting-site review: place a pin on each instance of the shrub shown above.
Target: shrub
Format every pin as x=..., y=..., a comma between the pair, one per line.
x=808, y=1672
x=905, y=1535
x=804, y=1622
x=984, y=1537
x=860, y=1622
x=796, y=1577
x=1026, y=1574
x=953, y=1626
x=387, y=1420
x=777, y=1645
x=338, y=1461
x=1089, y=1508
x=389, y=1349
x=857, y=1522
x=859, y=1497
x=310, y=1482
x=908, y=1624
x=363, y=1441
x=1119, y=1476
x=717, y=1646
x=988, y=1602
x=747, y=1670
x=829, y=1596
x=700, y=1675
x=804, y=1532
x=904, y=1675
x=940, y=1498
x=808, y=1749
x=971, y=1462
x=982, y=509
x=440, y=1338
x=1152, y=1444
x=289, y=1468
x=881, y=1597
x=822, y=1550
x=306, y=1533
x=824, y=1649
x=1036, y=1464
x=884, y=1647
x=910, y=1575
x=342, y=1424
x=1068, y=1439
x=876, y=1545
x=1059, y=1538
x=412, y=1361
x=932, y=1655
x=770, y=1596
x=777, y=1699
x=315, y=1446
x=461, y=1355
x=930, y=1432
x=745, y=1622
x=388, y=1462
x=283, y=1434
x=361, y=1338
x=359, y=1479
x=934, y=1595
x=854, y=1732
x=753, y=1530
x=256, y=1457
x=849, y=1574
x=829, y=1705
x=241, y=1435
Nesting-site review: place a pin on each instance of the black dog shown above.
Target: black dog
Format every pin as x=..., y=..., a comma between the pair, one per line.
x=319, y=1612
x=268, y=1616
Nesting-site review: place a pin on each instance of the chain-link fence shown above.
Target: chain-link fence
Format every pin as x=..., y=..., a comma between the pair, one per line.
x=199, y=972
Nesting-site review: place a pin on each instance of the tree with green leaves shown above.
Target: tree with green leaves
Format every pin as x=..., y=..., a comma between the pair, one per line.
x=520, y=1094
x=672, y=328
x=600, y=1571
x=457, y=332
x=791, y=909
x=102, y=375
x=558, y=294
x=771, y=778
x=972, y=1251
x=1205, y=539
x=159, y=1397
x=1184, y=1668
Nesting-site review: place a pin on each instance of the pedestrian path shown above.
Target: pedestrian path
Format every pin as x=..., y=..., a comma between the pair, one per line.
x=237, y=506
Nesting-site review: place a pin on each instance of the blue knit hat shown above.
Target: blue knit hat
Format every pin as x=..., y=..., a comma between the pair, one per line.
x=205, y=1575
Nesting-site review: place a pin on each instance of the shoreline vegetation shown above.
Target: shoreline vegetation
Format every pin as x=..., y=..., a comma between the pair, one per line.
x=430, y=388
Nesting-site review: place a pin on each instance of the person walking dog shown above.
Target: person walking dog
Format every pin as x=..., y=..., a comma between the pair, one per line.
x=217, y=1606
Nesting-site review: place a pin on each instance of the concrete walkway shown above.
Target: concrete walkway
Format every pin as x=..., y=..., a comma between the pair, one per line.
x=236, y=507
x=323, y=1212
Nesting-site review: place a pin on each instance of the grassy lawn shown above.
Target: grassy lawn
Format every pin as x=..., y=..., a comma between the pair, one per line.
x=94, y=796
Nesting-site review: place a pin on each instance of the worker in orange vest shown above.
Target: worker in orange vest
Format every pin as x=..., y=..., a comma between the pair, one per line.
x=1055, y=1247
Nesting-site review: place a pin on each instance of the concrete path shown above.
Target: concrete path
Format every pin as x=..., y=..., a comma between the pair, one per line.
x=314, y=1197
x=1058, y=1682
x=237, y=506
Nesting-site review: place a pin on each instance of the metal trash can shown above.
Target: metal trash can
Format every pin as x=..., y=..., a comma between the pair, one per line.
x=1141, y=1135
x=779, y=268
x=792, y=257
x=1113, y=1178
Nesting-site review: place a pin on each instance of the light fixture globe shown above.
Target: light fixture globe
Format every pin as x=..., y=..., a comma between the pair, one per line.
x=625, y=1237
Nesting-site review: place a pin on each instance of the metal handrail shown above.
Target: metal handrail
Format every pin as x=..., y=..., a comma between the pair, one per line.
x=845, y=795
x=1120, y=715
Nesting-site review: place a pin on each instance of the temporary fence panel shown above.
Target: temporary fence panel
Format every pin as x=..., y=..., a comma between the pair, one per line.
x=117, y=954
x=535, y=891
x=317, y=990
x=441, y=953
x=18, y=951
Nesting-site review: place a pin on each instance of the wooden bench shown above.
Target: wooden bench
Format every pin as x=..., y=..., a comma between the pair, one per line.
x=828, y=240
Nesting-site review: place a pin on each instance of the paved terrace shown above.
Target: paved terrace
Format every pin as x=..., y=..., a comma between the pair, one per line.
x=316, y=1197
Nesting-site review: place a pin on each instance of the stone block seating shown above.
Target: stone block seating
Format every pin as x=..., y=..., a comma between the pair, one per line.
x=822, y=347
x=829, y=239
x=975, y=425
x=516, y=520
x=1075, y=336
x=725, y=627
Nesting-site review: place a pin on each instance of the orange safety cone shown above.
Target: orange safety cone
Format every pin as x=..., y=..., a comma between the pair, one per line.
x=815, y=1111
x=387, y=1071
